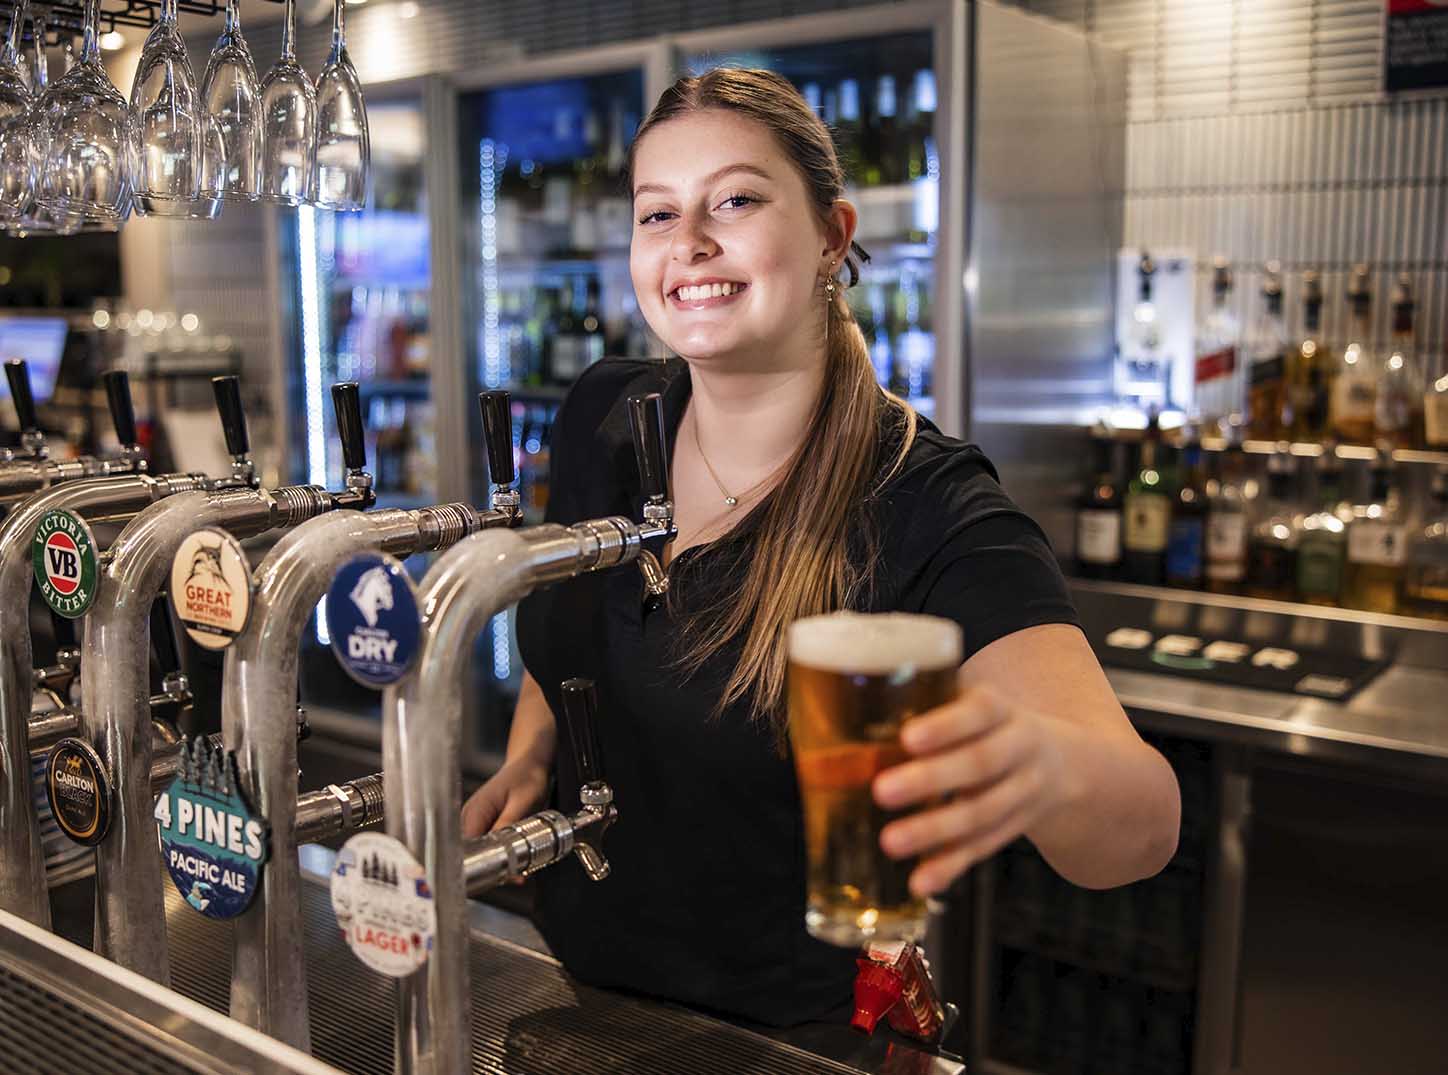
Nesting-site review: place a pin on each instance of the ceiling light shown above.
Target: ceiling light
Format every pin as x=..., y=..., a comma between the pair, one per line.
x=113, y=41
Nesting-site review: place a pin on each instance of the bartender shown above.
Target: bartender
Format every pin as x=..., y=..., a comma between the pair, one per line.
x=799, y=487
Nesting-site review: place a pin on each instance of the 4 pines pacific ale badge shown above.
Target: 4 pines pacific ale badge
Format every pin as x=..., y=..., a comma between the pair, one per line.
x=63, y=553
x=213, y=843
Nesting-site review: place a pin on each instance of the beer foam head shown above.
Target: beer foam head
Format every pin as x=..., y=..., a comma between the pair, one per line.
x=876, y=644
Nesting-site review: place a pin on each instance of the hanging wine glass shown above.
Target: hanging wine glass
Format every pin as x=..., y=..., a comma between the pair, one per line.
x=343, y=152
x=166, y=123
x=289, y=123
x=232, y=99
x=83, y=171
x=15, y=101
x=35, y=219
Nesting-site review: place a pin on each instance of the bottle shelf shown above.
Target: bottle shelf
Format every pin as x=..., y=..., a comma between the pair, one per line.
x=1310, y=449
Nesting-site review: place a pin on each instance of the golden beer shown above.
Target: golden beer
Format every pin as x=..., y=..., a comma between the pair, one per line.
x=853, y=681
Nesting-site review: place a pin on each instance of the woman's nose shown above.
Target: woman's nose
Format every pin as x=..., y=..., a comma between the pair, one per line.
x=692, y=241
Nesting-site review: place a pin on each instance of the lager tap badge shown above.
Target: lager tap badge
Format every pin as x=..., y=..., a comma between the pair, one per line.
x=211, y=588
x=63, y=553
x=384, y=904
x=373, y=619
x=213, y=844
x=79, y=790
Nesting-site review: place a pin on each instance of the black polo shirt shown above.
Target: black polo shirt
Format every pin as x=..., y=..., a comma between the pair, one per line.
x=705, y=902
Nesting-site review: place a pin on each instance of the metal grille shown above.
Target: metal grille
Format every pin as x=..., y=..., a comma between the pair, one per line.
x=34, y=1023
x=1258, y=131
x=529, y=1017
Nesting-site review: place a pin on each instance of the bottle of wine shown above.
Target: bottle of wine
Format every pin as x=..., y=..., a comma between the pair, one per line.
x=1147, y=515
x=1355, y=377
x=1377, y=546
x=1098, y=513
x=1227, y=525
x=1321, y=546
x=1425, y=579
x=1272, y=548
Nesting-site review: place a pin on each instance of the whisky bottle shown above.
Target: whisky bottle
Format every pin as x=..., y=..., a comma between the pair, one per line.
x=1307, y=370
x=1186, y=536
x=1147, y=516
x=1218, y=336
x=1398, y=416
x=1377, y=547
x=1321, y=544
x=1425, y=578
x=1272, y=548
x=1268, y=349
x=1226, y=567
x=1355, y=377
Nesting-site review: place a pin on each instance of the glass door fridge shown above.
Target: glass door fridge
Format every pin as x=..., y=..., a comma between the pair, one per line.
x=544, y=224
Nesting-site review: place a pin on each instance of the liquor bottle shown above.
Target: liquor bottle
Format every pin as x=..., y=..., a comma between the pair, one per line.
x=1098, y=514
x=1435, y=413
x=1425, y=577
x=1377, y=546
x=887, y=157
x=1321, y=544
x=1355, y=377
x=1267, y=373
x=1307, y=370
x=1226, y=567
x=1143, y=368
x=1218, y=337
x=1186, y=537
x=849, y=133
x=565, y=360
x=1398, y=415
x=1272, y=548
x=593, y=340
x=1146, y=516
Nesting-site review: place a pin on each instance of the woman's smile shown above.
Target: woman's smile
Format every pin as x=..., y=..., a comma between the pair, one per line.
x=706, y=294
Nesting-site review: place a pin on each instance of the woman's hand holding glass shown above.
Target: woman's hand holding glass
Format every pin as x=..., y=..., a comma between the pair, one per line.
x=513, y=792
x=998, y=767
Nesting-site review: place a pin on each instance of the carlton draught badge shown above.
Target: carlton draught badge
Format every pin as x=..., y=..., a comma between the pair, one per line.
x=373, y=620
x=213, y=844
x=383, y=903
x=63, y=554
x=79, y=790
x=211, y=588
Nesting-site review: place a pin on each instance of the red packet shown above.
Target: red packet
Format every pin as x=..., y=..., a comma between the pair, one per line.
x=919, y=1012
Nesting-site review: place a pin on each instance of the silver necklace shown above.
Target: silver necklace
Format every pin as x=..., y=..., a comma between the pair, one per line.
x=730, y=500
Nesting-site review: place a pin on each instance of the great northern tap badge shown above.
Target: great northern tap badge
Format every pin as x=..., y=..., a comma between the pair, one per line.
x=211, y=588
x=213, y=844
x=63, y=554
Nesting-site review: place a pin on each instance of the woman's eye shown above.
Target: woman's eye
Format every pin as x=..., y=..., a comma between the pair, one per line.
x=737, y=201
x=654, y=217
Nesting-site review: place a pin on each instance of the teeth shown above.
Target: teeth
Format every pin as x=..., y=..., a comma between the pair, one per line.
x=700, y=292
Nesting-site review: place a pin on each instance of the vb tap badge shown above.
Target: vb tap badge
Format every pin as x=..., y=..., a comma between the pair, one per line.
x=373, y=619
x=79, y=790
x=211, y=588
x=213, y=844
x=384, y=904
x=63, y=553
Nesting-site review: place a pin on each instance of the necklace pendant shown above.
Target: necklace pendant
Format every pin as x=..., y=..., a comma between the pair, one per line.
x=731, y=500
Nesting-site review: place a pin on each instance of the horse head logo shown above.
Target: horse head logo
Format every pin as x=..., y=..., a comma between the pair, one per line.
x=372, y=594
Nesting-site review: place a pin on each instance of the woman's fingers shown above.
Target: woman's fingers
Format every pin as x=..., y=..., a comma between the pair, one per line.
x=973, y=713
x=978, y=762
x=964, y=818
x=936, y=873
x=481, y=809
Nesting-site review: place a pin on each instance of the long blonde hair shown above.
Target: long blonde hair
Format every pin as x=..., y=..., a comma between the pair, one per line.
x=803, y=561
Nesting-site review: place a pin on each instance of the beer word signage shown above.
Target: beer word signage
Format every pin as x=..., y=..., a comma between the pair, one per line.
x=1415, y=46
x=373, y=620
x=63, y=553
x=211, y=588
x=213, y=845
x=383, y=903
x=79, y=790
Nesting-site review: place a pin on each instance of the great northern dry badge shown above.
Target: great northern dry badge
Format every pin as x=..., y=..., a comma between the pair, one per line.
x=383, y=903
x=213, y=844
x=79, y=790
x=63, y=553
x=211, y=588
x=373, y=620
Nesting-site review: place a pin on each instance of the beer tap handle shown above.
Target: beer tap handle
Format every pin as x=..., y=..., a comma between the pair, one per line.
x=175, y=693
x=580, y=716
x=651, y=449
x=233, y=417
x=347, y=406
x=123, y=411
x=17, y=372
x=496, y=408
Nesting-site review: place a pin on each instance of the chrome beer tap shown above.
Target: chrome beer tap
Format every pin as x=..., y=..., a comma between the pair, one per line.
x=22, y=864
x=259, y=685
x=422, y=729
x=116, y=712
x=32, y=469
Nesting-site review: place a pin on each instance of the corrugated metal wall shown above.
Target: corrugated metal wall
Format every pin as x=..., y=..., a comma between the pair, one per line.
x=1257, y=130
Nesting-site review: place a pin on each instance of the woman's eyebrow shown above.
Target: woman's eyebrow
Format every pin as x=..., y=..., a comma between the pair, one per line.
x=708, y=180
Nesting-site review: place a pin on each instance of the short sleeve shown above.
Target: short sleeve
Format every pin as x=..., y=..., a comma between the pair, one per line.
x=995, y=577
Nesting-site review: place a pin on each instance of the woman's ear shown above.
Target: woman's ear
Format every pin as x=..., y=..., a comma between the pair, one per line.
x=840, y=225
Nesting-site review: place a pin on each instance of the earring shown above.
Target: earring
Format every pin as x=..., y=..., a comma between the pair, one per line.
x=830, y=285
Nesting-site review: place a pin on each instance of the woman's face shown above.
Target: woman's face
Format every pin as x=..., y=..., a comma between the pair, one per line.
x=727, y=246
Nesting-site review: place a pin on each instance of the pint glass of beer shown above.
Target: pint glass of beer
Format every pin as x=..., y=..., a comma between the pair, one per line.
x=853, y=680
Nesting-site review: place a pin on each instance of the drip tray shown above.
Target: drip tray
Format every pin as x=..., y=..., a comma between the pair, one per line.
x=529, y=1017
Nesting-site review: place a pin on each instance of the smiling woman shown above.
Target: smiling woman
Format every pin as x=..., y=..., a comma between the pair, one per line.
x=800, y=487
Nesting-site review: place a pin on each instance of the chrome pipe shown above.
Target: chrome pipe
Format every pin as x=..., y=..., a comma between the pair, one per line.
x=22, y=866
x=130, y=921
x=47, y=729
x=422, y=744
x=26, y=477
x=258, y=720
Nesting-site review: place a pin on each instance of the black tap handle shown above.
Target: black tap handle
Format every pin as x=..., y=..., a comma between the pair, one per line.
x=233, y=418
x=18, y=374
x=63, y=630
x=651, y=450
x=347, y=404
x=497, y=410
x=163, y=638
x=123, y=412
x=580, y=714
